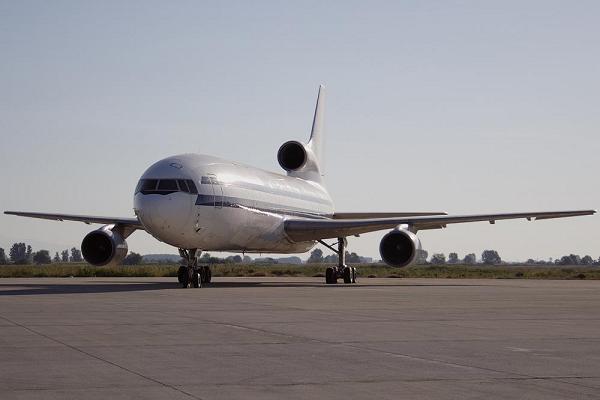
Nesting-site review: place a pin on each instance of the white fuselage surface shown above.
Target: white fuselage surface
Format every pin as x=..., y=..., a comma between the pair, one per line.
x=229, y=206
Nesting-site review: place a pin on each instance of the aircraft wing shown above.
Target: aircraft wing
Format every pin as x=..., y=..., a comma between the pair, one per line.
x=314, y=229
x=362, y=215
x=130, y=224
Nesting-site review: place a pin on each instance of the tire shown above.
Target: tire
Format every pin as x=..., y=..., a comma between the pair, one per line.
x=181, y=274
x=347, y=274
x=185, y=279
x=208, y=275
x=353, y=275
x=196, y=280
x=330, y=277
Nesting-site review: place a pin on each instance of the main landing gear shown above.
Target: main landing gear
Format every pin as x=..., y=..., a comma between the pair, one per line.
x=192, y=274
x=341, y=271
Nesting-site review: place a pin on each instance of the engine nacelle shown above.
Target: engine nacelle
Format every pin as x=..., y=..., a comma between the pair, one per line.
x=292, y=155
x=104, y=246
x=399, y=248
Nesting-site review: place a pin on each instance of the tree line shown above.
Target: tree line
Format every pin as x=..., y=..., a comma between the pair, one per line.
x=491, y=257
x=23, y=254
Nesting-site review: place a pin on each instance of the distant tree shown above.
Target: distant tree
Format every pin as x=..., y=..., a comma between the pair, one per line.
x=64, y=256
x=76, y=255
x=316, y=257
x=56, y=258
x=41, y=257
x=571, y=259
x=247, y=260
x=205, y=258
x=470, y=259
x=3, y=259
x=587, y=260
x=421, y=257
x=132, y=259
x=18, y=253
x=330, y=259
x=531, y=261
x=237, y=259
x=452, y=258
x=29, y=254
x=352, y=258
x=597, y=262
x=490, y=257
x=438, y=258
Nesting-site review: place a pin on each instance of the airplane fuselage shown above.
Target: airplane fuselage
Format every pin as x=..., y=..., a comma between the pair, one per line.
x=227, y=206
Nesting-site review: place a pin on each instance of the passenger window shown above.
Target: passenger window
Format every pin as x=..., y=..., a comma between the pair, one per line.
x=168, y=185
x=183, y=186
x=192, y=186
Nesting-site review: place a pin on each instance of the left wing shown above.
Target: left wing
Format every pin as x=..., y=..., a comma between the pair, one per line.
x=128, y=224
x=311, y=229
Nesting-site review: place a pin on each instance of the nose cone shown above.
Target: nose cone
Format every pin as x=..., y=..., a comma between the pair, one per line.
x=163, y=201
x=163, y=214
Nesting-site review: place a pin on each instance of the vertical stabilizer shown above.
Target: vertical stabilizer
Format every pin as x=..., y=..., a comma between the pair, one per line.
x=316, y=134
x=302, y=160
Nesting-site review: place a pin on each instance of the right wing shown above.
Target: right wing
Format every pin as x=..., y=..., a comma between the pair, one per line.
x=300, y=230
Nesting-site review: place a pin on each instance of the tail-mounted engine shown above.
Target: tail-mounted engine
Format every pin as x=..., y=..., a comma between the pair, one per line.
x=104, y=246
x=299, y=160
x=292, y=156
x=399, y=248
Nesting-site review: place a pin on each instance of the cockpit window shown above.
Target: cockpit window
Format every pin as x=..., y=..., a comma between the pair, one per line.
x=192, y=186
x=183, y=186
x=165, y=186
x=145, y=185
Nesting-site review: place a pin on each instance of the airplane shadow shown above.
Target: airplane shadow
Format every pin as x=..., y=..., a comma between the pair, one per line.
x=28, y=289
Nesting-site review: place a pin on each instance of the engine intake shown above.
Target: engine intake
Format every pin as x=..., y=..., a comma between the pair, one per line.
x=292, y=155
x=399, y=248
x=103, y=247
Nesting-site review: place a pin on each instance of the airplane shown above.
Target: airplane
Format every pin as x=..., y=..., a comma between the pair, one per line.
x=202, y=203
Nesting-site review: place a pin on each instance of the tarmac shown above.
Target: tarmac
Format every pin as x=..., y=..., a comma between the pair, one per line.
x=297, y=338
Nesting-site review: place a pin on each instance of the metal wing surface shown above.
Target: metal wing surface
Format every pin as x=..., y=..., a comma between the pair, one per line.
x=310, y=229
x=132, y=223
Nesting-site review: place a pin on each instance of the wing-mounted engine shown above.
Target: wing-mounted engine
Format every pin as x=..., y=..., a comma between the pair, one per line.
x=399, y=248
x=104, y=246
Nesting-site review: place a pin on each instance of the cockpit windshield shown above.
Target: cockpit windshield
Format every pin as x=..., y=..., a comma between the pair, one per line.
x=165, y=186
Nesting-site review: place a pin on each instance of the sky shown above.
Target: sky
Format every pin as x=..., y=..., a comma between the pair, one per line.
x=456, y=106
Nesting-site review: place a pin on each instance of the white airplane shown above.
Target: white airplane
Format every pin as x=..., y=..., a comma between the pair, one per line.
x=202, y=203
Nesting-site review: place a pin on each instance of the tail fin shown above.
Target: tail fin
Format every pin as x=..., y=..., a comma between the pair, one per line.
x=316, y=134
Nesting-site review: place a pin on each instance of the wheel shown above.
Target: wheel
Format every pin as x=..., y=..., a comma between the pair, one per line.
x=330, y=276
x=182, y=273
x=203, y=274
x=353, y=274
x=347, y=274
x=196, y=279
x=185, y=278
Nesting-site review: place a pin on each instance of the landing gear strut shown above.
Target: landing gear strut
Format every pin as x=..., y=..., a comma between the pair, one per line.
x=341, y=271
x=192, y=274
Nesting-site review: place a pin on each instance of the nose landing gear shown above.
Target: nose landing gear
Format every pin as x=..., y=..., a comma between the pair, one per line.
x=341, y=271
x=192, y=274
